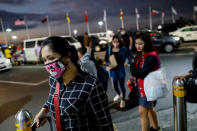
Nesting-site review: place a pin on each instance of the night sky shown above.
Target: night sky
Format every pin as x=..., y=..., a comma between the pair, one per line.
x=36, y=10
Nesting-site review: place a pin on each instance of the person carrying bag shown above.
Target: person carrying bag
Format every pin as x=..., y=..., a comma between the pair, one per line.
x=143, y=64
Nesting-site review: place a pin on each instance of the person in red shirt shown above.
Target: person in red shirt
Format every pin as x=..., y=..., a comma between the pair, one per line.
x=145, y=61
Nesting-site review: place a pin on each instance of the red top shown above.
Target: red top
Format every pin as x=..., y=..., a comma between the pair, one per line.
x=141, y=63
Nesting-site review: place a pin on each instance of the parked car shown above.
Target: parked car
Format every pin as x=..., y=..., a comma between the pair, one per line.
x=5, y=63
x=164, y=42
x=29, y=44
x=188, y=33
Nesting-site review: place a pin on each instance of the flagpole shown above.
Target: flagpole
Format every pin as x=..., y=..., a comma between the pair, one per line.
x=105, y=19
x=150, y=18
x=68, y=23
x=137, y=22
x=122, y=22
x=162, y=18
x=49, y=28
x=193, y=13
x=27, y=31
x=173, y=21
x=88, y=28
x=3, y=31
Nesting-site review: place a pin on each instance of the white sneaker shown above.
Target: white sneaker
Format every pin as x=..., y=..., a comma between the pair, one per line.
x=117, y=97
x=122, y=104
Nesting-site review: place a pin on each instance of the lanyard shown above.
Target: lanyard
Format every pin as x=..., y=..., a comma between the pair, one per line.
x=56, y=106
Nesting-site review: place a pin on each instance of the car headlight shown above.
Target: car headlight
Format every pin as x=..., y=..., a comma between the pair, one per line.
x=176, y=38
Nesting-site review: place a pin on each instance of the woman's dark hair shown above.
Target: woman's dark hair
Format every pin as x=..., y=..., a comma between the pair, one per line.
x=61, y=46
x=82, y=50
x=148, y=47
x=116, y=37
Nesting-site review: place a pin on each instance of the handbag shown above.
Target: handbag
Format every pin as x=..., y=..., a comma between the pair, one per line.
x=155, y=85
x=133, y=91
x=112, y=60
x=191, y=88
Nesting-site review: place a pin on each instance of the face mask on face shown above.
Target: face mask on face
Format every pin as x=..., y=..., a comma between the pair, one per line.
x=56, y=68
x=122, y=32
x=115, y=44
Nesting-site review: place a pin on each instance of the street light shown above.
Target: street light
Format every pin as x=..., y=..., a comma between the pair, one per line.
x=14, y=37
x=8, y=30
x=75, y=32
x=100, y=23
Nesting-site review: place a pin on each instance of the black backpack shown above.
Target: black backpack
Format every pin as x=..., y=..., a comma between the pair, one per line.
x=190, y=85
x=102, y=76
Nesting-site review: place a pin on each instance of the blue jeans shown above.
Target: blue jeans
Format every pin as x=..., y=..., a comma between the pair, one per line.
x=118, y=74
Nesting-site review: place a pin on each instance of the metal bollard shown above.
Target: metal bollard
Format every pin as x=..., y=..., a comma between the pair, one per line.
x=23, y=120
x=179, y=104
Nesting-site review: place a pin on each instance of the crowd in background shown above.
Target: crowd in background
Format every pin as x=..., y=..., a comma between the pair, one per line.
x=14, y=53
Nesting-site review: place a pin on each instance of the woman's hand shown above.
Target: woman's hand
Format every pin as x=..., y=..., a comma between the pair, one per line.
x=109, y=67
x=182, y=76
x=126, y=63
x=37, y=118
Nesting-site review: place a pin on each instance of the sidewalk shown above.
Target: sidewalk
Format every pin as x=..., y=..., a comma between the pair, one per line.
x=165, y=118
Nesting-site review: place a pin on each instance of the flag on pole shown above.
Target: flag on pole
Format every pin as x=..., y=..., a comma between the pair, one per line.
x=137, y=14
x=86, y=21
x=154, y=12
x=195, y=8
x=44, y=20
x=19, y=22
x=86, y=17
x=68, y=18
x=121, y=14
x=162, y=14
x=68, y=22
x=174, y=11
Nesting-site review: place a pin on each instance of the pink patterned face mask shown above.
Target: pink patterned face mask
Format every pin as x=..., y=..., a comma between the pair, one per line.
x=56, y=68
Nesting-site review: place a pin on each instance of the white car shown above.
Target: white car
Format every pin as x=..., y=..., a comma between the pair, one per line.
x=4, y=63
x=30, y=44
x=188, y=33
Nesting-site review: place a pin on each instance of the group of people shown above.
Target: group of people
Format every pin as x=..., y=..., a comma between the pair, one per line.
x=15, y=54
x=78, y=99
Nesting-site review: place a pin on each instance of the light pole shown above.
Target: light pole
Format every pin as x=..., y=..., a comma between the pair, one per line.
x=100, y=23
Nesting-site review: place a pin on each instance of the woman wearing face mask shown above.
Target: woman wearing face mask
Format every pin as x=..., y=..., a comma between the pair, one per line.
x=145, y=61
x=117, y=73
x=77, y=100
